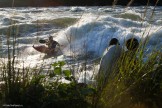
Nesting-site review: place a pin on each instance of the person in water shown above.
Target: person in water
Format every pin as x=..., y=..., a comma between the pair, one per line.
x=132, y=44
x=129, y=62
x=51, y=43
x=108, y=61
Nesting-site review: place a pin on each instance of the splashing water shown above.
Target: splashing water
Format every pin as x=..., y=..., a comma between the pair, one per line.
x=83, y=31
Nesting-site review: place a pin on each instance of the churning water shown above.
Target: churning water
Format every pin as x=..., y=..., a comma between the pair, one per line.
x=83, y=31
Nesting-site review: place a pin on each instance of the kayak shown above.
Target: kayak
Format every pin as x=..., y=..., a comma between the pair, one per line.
x=44, y=49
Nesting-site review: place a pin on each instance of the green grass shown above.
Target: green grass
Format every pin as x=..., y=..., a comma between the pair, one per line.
x=133, y=83
x=37, y=91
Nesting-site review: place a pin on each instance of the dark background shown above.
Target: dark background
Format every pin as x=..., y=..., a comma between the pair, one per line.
x=46, y=3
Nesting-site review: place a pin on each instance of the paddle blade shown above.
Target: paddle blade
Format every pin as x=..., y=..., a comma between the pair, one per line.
x=42, y=41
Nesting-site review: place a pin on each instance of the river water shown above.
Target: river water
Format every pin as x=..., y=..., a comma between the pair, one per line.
x=84, y=32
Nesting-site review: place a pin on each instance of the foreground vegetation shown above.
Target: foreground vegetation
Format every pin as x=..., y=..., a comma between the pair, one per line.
x=130, y=85
x=134, y=84
x=38, y=91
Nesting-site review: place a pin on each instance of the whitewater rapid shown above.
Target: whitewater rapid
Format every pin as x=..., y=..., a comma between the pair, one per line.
x=83, y=31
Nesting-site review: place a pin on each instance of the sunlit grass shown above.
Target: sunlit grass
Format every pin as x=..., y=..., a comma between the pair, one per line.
x=131, y=84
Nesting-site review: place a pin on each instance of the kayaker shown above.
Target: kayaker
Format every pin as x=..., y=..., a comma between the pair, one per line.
x=52, y=43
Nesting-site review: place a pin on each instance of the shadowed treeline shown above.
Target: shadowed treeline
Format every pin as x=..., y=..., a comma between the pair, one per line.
x=109, y=2
x=29, y=3
x=46, y=3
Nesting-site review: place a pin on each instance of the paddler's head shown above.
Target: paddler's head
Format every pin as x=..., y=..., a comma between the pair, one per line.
x=132, y=44
x=114, y=41
x=50, y=38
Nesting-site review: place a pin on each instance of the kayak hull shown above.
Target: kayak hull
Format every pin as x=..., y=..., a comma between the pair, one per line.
x=44, y=49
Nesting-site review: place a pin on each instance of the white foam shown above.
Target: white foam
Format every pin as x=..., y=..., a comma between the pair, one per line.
x=91, y=34
x=86, y=77
x=77, y=9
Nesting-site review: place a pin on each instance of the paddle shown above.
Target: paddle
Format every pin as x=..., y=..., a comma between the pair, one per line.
x=42, y=41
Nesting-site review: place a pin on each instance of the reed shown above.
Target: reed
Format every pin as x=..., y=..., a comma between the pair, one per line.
x=132, y=84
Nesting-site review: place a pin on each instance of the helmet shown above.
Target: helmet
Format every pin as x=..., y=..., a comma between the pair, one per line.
x=50, y=38
x=132, y=44
x=114, y=41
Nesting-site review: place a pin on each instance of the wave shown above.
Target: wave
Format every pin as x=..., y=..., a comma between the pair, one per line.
x=88, y=37
x=9, y=21
x=132, y=15
x=59, y=22
x=17, y=17
x=91, y=37
x=125, y=22
x=77, y=9
x=25, y=29
x=156, y=39
x=29, y=10
x=158, y=22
